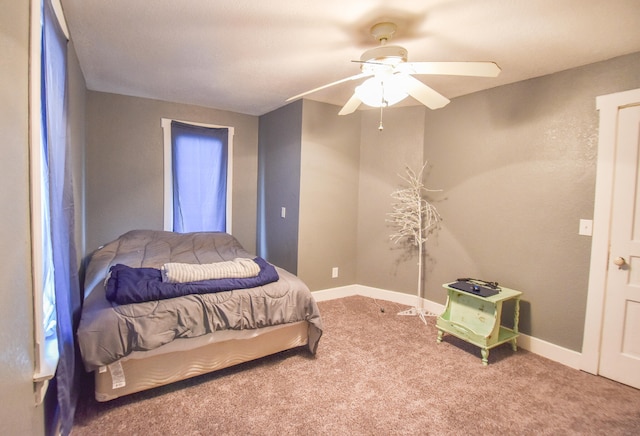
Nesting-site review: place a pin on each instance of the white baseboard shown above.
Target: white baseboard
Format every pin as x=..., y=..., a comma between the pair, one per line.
x=538, y=346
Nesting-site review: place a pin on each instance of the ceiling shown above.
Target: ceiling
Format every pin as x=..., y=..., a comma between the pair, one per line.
x=249, y=56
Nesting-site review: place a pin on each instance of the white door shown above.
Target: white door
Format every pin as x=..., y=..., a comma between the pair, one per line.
x=620, y=349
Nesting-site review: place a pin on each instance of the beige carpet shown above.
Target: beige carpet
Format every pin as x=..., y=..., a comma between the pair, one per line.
x=376, y=373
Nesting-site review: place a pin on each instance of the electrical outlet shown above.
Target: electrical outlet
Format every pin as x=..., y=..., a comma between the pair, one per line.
x=334, y=272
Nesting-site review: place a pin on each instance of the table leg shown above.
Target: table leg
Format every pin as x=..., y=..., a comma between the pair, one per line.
x=485, y=356
x=516, y=320
x=439, y=339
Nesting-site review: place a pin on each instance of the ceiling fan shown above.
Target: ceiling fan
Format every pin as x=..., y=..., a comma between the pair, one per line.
x=390, y=76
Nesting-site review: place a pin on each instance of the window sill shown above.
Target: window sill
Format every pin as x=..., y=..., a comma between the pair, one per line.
x=46, y=369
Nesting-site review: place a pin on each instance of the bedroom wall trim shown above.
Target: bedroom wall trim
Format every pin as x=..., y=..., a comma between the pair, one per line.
x=540, y=347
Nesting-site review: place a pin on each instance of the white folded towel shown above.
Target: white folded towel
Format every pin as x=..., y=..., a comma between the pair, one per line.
x=188, y=272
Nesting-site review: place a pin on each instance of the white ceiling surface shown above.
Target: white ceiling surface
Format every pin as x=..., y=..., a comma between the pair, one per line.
x=249, y=56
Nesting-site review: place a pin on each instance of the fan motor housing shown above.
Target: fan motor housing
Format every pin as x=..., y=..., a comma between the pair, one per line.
x=388, y=54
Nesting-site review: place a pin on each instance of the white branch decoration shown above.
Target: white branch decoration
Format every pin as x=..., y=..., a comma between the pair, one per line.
x=414, y=218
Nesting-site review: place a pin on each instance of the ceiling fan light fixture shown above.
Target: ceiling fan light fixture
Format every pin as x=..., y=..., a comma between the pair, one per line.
x=381, y=92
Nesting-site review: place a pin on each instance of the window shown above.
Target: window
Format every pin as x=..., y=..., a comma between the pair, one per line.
x=47, y=82
x=56, y=285
x=197, y=176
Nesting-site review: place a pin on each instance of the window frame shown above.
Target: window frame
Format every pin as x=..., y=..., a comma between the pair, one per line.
x=168, y=172
x=46, y=354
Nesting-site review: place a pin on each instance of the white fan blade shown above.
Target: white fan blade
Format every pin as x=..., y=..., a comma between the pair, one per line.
x=357, y=76
x=479, y=69
x=350, y=106
x=421, y=92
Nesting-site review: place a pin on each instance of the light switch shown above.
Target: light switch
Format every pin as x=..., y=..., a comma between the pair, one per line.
x=283, y=212
x=586, y=227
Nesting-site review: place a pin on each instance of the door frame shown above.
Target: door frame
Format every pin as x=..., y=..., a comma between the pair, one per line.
x=608, y=106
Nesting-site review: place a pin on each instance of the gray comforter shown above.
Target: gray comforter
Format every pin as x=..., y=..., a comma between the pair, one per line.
x=109, y=331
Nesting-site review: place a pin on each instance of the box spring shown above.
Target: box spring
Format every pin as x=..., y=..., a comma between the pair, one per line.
x=142, y=371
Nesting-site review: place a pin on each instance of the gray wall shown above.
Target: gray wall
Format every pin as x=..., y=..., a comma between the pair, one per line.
x=517, y=168
x=76, y=111
x=328, y=196
x=383, y=158
x=124, y=165
x=309, y=165
x=279, y=176
x=18, y=414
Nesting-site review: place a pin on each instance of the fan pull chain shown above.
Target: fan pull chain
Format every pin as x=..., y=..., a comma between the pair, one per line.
x=383, y=103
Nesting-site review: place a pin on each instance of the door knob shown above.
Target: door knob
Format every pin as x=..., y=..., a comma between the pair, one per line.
x=619, y=262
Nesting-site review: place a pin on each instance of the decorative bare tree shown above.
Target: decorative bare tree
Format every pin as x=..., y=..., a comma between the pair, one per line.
x=414, y=219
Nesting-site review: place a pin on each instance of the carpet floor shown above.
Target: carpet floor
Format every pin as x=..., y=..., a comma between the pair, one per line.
x=376, y=373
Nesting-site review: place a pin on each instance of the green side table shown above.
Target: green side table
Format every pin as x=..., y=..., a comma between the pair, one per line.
x=477, y=319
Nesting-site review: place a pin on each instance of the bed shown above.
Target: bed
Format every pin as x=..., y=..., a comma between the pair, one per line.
x=142, y=328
